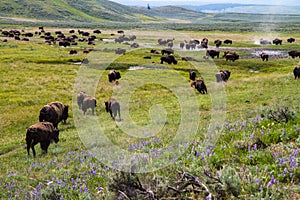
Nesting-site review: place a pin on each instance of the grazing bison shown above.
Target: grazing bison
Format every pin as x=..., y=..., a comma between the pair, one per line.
x=264, y=56
x=181, y=45
x=231, y=56
x=88, y=102
x=200, y=86
x=218, y=43
x=73, y=52
x=169, y=59
x=277, y=41
x=192, y=75
x=297, y=72
x=113, y=75
x=168, y=51
x=113, y=107
x=294, y=53
x=223, y=75
x=43, y=133
x=54, y=112
x=212, y=53
x=120, y=51
x=227, y=41
x=291, y=40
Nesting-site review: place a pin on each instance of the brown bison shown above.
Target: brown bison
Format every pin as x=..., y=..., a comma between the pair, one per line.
x=223, y=75
x=113, y=107
x=43, y=133
x=168, y=51
x=169, y=59
x=294, y=53
x=297, y=72
x=80, y=97
x=88, y=102
x=264, y=56
x=212, y=53
x=113, y=75
x=200, y=86
x=231, y=56
x=204, y=43
x=54, y=112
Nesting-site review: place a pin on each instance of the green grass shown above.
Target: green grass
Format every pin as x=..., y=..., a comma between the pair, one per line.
x=34, y=74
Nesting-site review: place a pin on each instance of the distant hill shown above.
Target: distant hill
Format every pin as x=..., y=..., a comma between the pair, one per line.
x=70, y=10
x=245, y=8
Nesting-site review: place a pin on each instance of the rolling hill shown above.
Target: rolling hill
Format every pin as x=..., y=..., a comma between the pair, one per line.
x=70, y=10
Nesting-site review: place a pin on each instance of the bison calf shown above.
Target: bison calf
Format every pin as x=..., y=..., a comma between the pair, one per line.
x=113, y=107
x=43, y=133
x=88, y=102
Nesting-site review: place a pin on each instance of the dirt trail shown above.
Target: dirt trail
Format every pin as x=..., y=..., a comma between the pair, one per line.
x=11, y=152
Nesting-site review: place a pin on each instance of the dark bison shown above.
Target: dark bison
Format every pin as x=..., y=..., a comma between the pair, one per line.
x=277, y=41
x=54, y=112
x=192, y=75
x=168, y=51
x=113, y=107
x=297, y=72
x=200, y=86
x=204, y=43
x=88, y=102
x=227, y=41
x=264, y=56
x=223, y=75
x=120, y=51
x=43, y=133
x=212, y=53
x=218, y=43
x=169, y=59
x=113, y=75
x=294, y=53
x=291, y=40
x=73, y=52
x=231, y=56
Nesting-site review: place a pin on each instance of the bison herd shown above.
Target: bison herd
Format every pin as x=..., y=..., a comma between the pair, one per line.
x=50, y=115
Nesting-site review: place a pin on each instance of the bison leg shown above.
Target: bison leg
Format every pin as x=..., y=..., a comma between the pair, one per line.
x=111, y=115
x=32, y=147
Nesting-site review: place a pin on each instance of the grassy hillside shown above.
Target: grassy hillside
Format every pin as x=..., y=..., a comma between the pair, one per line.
x=71, y=10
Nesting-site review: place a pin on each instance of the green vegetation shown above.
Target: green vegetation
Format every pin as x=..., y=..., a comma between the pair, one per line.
x=252, y=154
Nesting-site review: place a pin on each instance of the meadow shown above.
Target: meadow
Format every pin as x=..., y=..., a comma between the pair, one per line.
x=239, y=141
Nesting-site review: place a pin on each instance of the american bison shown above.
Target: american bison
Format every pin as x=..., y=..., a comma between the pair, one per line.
x=204, y=43
x=231, y=56
x=212, y=53
x=297, y=72
x=113, y=107
x=294, y=53
x=54, y=112
x=113, y=75
x=218, y=43
x=291, y=40
x=120, y=51
x=223, y=75
x=80, y=96
x=277, y=41
x=43, y=133
x=168, y=51
x=88, y=102
x=227, y=41
x=264, y=42
x=200, y=86
x=169, y=59
x=264, y=56
x=72, y=52
x=192, y=75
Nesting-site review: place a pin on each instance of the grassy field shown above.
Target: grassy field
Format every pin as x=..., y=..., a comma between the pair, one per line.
x=239, y=141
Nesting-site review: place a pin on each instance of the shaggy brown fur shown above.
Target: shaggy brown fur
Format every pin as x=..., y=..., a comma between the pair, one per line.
x=80, y=97
x=297, y=72
x=200, y=86
x=113, y=107
x=43, y=133
x=88, y=102
x=54, y=112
